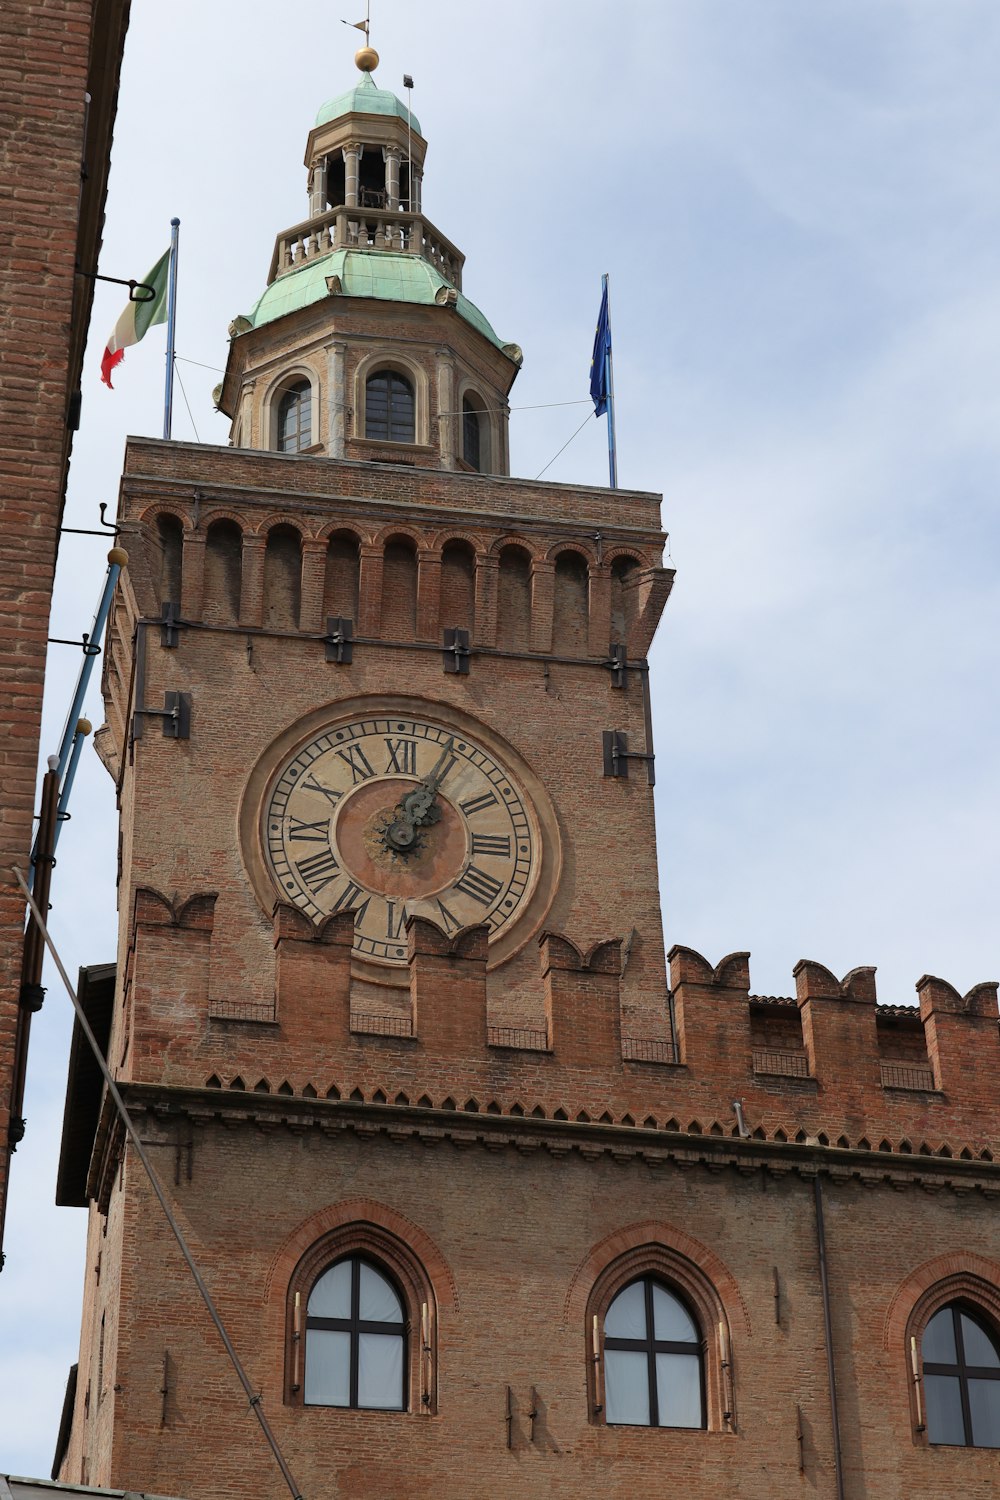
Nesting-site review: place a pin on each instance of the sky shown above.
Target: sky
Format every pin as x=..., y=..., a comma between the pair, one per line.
x=798, y=205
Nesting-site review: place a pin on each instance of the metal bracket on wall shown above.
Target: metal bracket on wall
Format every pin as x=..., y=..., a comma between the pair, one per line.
x=170, y=630
x=616, y=663
x=455, y=652
x=339, y=640
x=175, y=713
x=617, y=754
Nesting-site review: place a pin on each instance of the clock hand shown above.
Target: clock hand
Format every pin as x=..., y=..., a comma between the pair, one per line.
x=417, y=807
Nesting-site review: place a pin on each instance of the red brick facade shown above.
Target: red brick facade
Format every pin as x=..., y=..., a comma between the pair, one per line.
x=511, y=1142
x=50, y=57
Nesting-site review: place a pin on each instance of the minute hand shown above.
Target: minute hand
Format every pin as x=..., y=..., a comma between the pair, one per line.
x=418, y=803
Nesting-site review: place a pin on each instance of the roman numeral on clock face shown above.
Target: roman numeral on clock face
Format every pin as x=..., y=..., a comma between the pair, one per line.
x=330, y=793
x=395, y=921
x=480, y=886
x=348, y=898
x=476, y=804
x=491, y=843
x=308, y=833
x=318, y=870
x=360, y=766
x=402, y=757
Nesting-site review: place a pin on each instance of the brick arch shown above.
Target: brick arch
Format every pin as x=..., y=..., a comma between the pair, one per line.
x=613, y=554
x=513, y=540
x=442, y=539
x=280, y=518
x=225, y=514
x=360, y=1211
x=363, y=537
x=582, y=549
x=635, y=1245
x=152, y=514
x=959, y=1275
x=394, y=531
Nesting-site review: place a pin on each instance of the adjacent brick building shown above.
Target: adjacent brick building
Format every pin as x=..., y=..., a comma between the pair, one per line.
x=59, y=66
x=490, y=1203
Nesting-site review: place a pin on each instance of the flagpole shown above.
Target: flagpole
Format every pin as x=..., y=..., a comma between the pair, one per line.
x=168, y=395
x=609, y=381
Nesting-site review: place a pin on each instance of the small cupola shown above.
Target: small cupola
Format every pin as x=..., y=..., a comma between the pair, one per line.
x=363, y=345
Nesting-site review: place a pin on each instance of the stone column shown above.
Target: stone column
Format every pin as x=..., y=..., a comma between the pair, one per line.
x=391, y=157
x=252, y=583
x=352, y=155
x=415, y=192
x=428, y=594
x=337, y=403
x=446, y=408
x=317, y=188
x=314, y=551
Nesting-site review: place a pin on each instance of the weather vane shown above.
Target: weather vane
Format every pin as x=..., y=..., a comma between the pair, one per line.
x=364, y=25
x=366, y=57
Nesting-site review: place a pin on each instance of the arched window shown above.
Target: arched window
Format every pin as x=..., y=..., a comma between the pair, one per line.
x=389, y=408
x=475, y=434
x=653, y=1366
x=355, y=1339
x=295, y=418
x=961, y=1360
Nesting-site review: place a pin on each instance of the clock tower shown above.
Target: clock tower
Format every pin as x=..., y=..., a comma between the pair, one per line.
x=378, y=719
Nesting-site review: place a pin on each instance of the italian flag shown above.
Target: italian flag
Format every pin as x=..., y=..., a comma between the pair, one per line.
x=137, y=319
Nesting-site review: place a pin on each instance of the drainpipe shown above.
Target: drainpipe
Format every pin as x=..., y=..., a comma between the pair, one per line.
x=824, y=1281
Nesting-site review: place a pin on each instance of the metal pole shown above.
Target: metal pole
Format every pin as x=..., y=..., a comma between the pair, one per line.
x=133, y=1135
x=609, y=380
x=168, y=395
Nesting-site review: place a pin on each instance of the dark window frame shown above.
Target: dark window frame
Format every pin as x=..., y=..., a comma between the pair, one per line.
x=295, y=401
x=392, y=416
x=355, y=1325
x=472, y=433
x=962, y=1371
x=651, y=1346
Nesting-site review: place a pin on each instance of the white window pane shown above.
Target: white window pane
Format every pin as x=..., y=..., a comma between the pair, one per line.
x=944, y=1409
x=939, y=1339
x=678, y=1390
x=379, y=1303
x=380, y=1370
x=978, y=1348
x=626, y=1387
x=328, y=1368
x=984, y=1404
x=626, y=1317
x=331, y=1296
x=670, y=1320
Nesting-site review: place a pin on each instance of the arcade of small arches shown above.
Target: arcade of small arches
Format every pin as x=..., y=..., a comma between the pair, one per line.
x=362, y=1333
x=512, y=593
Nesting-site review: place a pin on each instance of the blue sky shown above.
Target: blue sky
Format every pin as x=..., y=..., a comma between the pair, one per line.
x=798, y=204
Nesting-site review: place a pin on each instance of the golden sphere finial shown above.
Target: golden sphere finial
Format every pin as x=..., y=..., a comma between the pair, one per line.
x=366, y=59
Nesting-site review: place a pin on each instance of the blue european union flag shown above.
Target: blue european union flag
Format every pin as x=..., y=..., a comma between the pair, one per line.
x=599, y=359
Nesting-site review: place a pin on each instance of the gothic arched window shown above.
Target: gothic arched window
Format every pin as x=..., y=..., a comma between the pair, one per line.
x=961, y=1360
x=355, y=1339
x=295, y=418
x=653, y=1365
x=389, y=408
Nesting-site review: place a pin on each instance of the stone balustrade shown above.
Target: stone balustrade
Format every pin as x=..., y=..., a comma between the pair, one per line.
x=366, y=229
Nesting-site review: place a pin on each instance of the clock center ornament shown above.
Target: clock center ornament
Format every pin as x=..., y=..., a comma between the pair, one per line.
x=393, y=814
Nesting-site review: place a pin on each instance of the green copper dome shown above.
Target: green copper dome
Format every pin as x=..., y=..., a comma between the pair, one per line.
x=379, y=274
x=365, y=99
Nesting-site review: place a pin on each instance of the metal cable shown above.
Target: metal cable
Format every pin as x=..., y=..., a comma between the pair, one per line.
x=253, y=1396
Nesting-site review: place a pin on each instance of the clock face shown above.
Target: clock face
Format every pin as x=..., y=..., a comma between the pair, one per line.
x=396, y=816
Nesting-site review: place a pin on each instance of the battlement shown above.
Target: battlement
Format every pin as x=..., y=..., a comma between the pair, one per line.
x=829, y=1066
